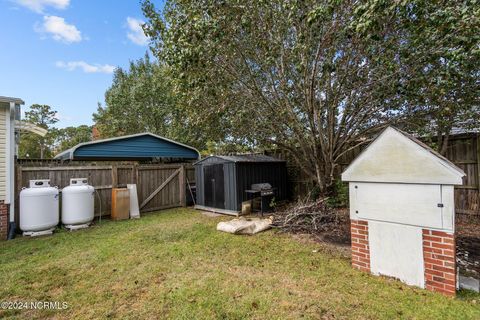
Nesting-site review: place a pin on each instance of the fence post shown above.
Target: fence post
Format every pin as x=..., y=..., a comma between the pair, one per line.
x=18, y=181
x=134, y=176
x=51, y=177
x=181, y=180
x=18, y=189
x=114, y=176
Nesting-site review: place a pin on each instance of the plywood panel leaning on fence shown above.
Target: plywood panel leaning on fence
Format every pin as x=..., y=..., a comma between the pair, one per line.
x=402, y=212
x=134, y=208
x=120, y=203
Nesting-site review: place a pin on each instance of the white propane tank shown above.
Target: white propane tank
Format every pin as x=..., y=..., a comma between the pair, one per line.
x=77, y=204
x=38, y=208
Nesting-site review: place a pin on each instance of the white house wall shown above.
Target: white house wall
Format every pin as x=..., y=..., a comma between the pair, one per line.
x=4, y=147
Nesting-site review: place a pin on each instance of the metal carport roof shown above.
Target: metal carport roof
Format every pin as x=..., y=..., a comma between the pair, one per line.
x=141, y=146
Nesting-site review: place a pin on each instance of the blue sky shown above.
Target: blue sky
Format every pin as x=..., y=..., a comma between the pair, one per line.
x=62, y=52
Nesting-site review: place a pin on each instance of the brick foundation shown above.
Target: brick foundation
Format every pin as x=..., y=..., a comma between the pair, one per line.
x=439, y=261
x=3, y=220
x=360, y=247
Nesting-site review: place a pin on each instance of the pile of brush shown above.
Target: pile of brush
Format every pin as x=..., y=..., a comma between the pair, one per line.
x=316, y=218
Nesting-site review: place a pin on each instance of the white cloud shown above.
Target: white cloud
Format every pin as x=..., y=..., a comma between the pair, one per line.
x=39, y=5
x=59, y=29
x=85, y=67
x=135, y=33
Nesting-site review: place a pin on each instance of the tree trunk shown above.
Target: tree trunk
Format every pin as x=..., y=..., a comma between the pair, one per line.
x=324, y=176
x=319, y=178
x=444, y=146
x=443, y=137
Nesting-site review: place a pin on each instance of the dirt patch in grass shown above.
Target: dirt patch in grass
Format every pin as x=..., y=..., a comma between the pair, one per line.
x=468, y=245
x=174, y=264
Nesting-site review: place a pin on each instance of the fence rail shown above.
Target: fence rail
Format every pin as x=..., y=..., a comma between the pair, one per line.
x=157, y=187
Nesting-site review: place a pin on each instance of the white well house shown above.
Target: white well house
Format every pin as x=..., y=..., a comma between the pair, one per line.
x=402, y=212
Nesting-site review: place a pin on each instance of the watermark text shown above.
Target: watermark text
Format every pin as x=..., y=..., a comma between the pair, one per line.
x=33, y=305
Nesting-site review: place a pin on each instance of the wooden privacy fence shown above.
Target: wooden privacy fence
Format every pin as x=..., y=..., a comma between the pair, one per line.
x=463, y=150
x=159, y=186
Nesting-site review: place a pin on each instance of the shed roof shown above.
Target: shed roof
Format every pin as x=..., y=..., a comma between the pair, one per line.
x=243, y=158
x=132, y=147
x=395, y=156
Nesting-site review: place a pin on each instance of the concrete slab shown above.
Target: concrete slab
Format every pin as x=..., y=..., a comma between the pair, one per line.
x=211, y=214
x=469, y=283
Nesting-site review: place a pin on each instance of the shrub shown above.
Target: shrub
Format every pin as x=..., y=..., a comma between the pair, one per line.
x=339, y=196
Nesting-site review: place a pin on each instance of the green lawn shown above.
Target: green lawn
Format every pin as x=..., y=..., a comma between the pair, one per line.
x=174, y=264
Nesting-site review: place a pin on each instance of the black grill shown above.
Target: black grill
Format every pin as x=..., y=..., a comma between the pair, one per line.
x=265, y=192
x=265, y=189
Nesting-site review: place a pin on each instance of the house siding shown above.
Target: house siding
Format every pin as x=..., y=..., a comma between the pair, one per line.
x=3, y=151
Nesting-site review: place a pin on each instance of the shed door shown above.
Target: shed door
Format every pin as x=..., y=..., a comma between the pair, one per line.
x=214, y=186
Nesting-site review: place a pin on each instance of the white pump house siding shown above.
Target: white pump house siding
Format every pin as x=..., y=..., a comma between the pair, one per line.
x=9, y=107
x=402, y=211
